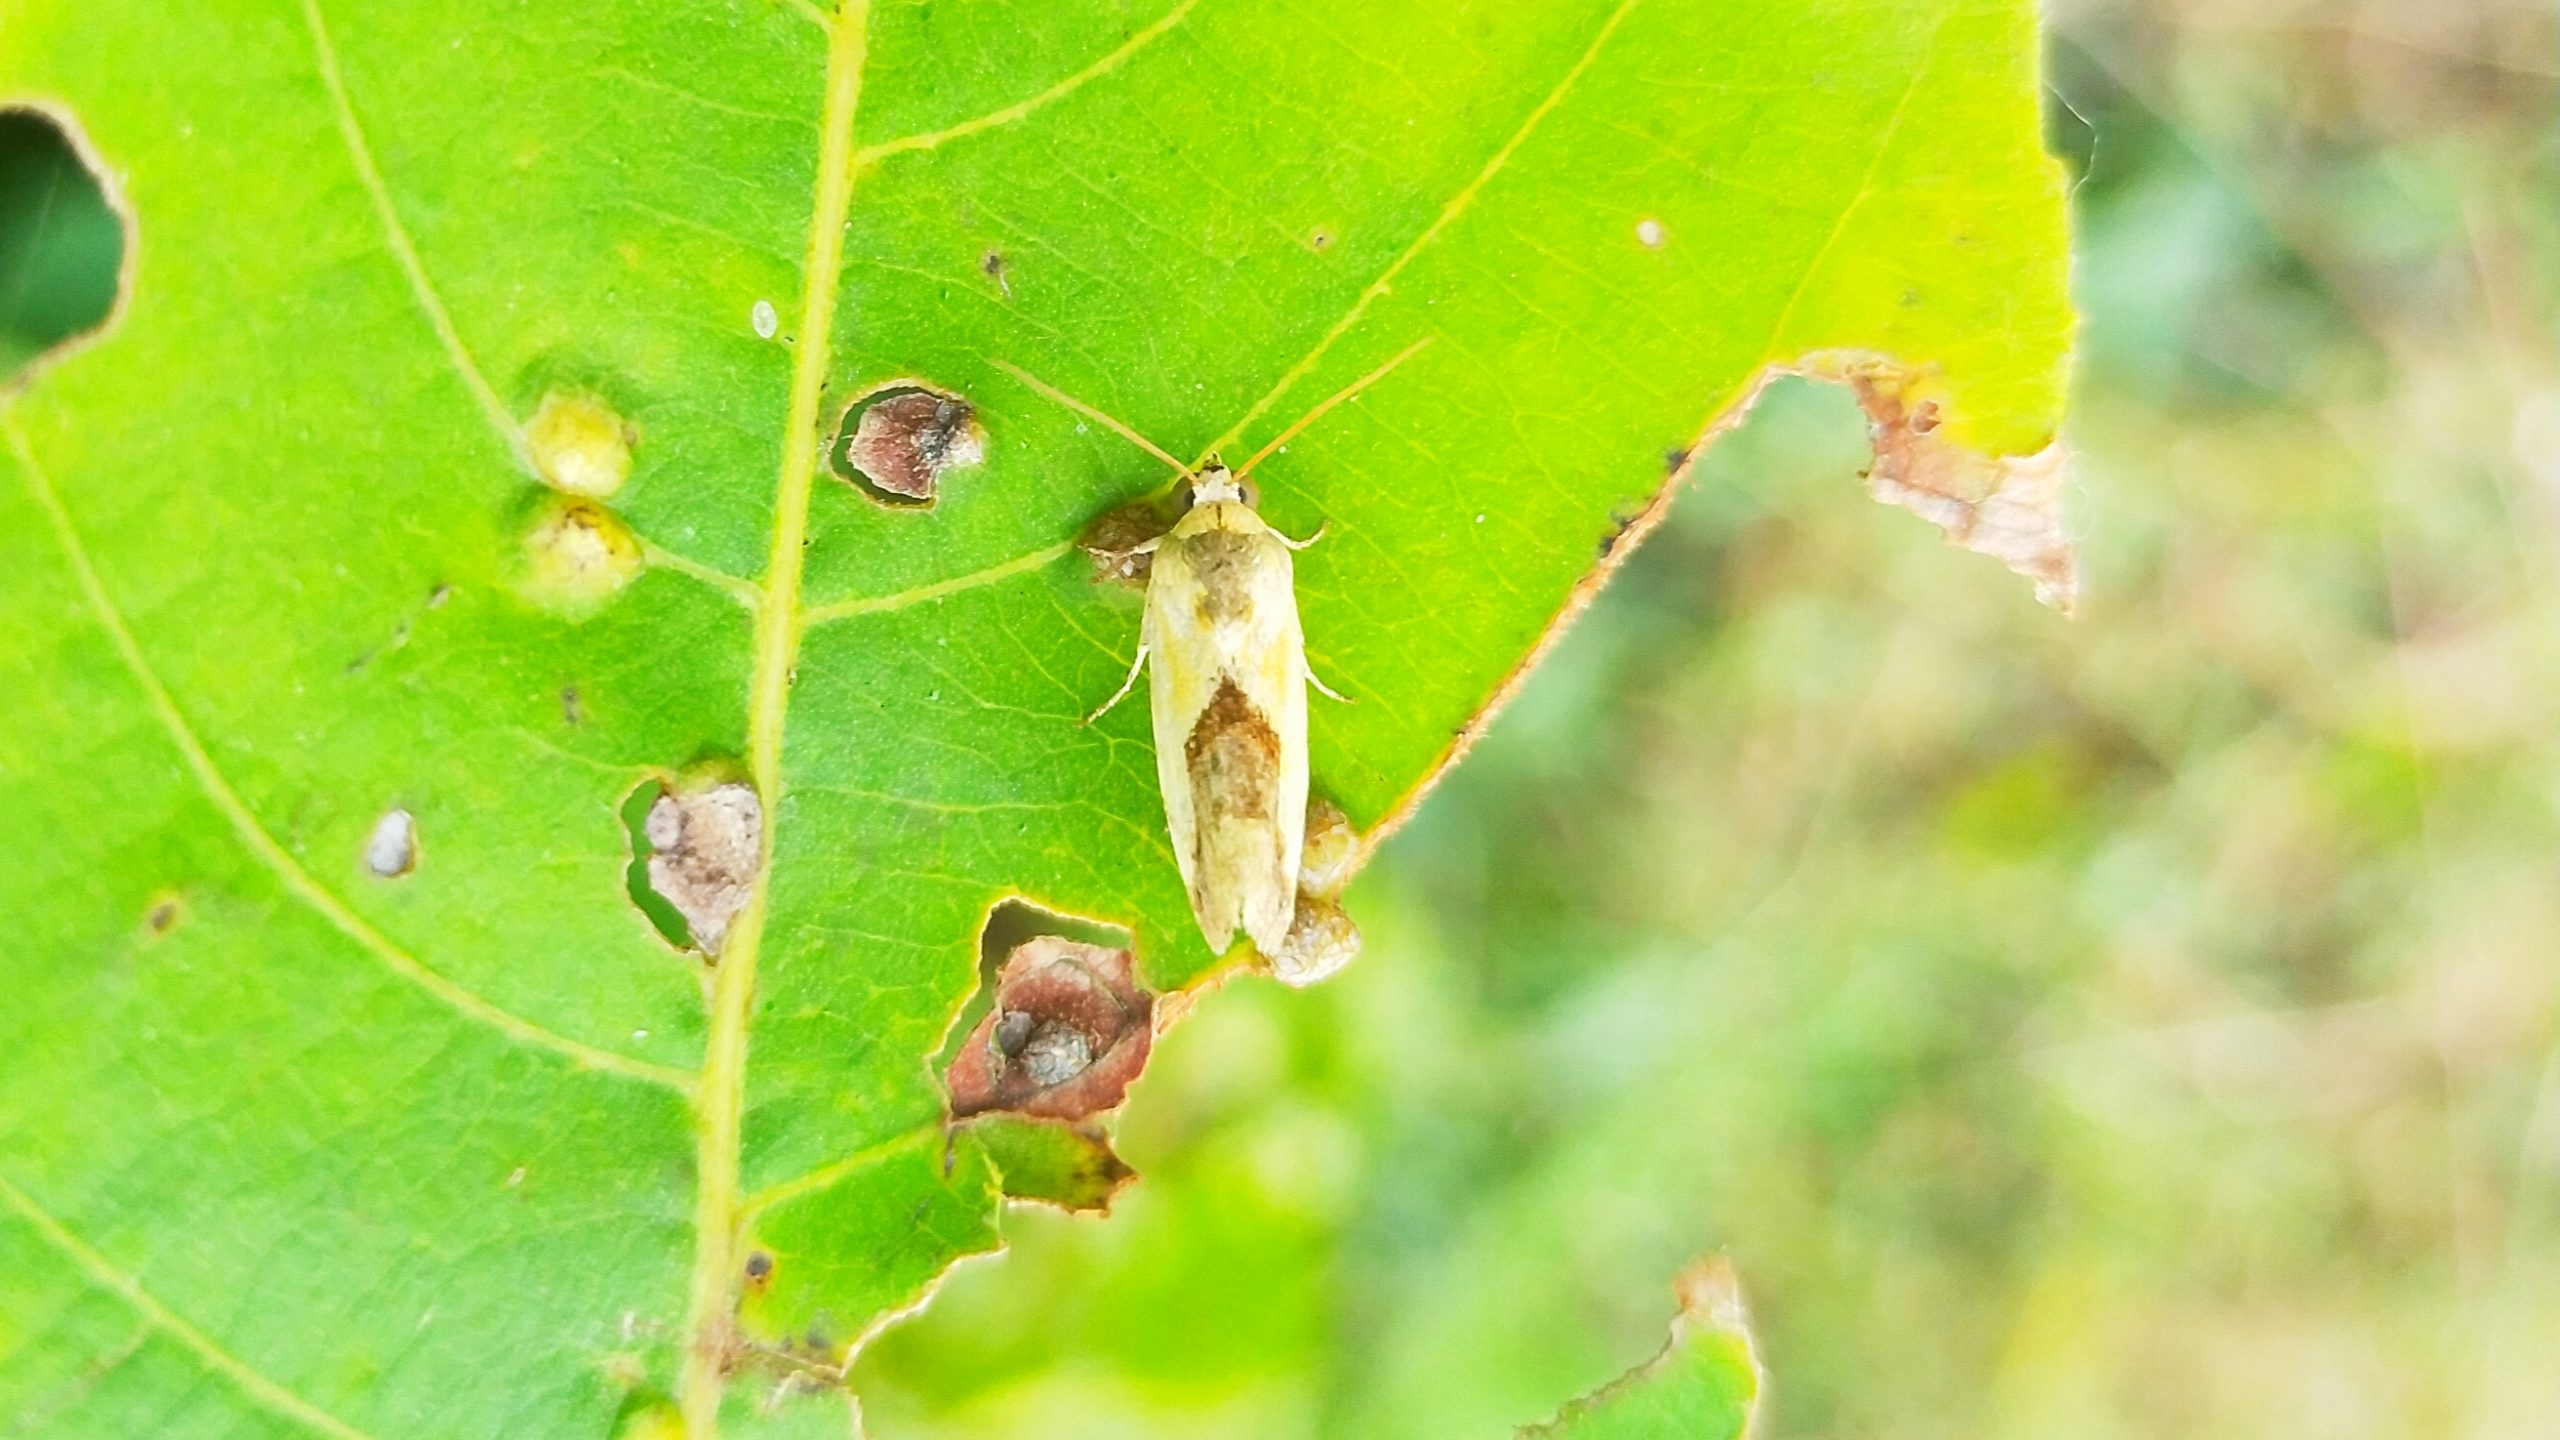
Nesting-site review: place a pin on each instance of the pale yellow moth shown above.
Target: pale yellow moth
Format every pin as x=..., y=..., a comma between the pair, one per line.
x=1229, y=691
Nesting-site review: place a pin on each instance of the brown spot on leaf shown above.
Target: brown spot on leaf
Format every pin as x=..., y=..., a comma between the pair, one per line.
x=759, y=1269
x=163, y=915
x=2007, y=507
x=705, y=846
x=1118, y=541
x=1067, y=1033
x=904, y=439
x=993, y=264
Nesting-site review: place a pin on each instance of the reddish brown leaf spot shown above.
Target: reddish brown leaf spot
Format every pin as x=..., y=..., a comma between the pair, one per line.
x=905, y=439
x=1069, y=1030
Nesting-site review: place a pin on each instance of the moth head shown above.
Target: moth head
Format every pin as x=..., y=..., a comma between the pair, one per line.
x=1214, y=482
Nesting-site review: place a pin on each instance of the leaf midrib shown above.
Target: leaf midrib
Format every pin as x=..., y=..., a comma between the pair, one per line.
x=719, y=1098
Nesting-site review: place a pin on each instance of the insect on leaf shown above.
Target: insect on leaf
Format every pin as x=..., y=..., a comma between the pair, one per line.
x=453, y=1141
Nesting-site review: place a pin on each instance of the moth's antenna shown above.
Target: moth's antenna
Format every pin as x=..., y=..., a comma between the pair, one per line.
x=1345, y=393
x=1096, y=416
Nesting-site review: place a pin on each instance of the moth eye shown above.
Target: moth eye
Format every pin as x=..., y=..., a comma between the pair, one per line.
x=1251, y=492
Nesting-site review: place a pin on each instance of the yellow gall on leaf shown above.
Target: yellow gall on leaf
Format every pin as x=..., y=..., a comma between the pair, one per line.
x=576, y=556
x=579, y=446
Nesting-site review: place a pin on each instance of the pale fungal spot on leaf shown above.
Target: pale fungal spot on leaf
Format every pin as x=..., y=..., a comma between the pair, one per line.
x=1649, y=234
x=577, y=554
x=579, y=446
x=767, y=323
x=705, y=846
x=905, y=438
x=391, y=850
x=1068, y=1031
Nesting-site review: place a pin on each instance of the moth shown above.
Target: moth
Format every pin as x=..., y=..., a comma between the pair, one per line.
x=1228, y=691
x=1229, y=696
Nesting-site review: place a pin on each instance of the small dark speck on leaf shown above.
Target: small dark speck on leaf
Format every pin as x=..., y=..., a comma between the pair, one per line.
x=1674, y=458
x=439, y=595
x=571, y=711
x=1321, y=240
x=162, y=917
x=993, y=264
x=759, y=1267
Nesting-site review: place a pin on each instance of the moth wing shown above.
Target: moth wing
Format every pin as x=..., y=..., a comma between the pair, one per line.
x=1230, y=708
x=1276, y=683
x=1182, y=675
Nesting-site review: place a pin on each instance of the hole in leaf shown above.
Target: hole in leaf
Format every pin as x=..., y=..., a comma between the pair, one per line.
x=662, y=917
x=62, y=243
x=895, y=443
x=1015, y=920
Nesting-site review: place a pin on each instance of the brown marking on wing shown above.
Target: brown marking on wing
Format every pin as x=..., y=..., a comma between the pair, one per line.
x=1225, y=563
x=1234, y=758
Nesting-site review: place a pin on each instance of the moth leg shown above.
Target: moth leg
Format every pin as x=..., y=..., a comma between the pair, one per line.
x=1303, y=544
x=1123, y=692
x=1143, y=547
x=1318, y=681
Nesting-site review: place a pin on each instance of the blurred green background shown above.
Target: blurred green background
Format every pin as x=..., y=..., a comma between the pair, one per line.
x=2135, y=1026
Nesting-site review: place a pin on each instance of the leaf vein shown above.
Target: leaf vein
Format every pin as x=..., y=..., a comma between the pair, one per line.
x=1448, y=216
x=270, y=852
x=251, y=1383
x=931, y=140
x=403, y=249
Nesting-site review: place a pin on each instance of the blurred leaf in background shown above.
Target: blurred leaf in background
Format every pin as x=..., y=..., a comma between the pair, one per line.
x=2137, y=1028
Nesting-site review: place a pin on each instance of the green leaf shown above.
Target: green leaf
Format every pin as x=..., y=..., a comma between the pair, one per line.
x=1704, y=1385
x=292, y=1142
